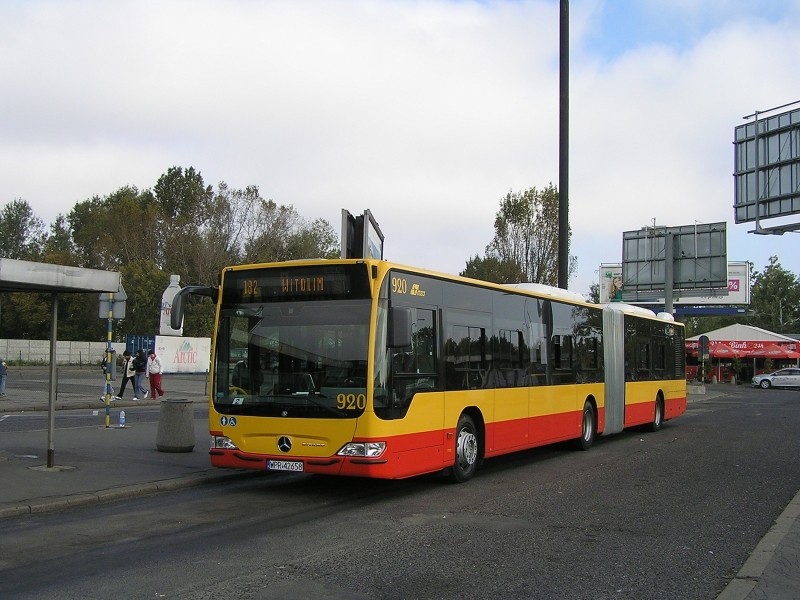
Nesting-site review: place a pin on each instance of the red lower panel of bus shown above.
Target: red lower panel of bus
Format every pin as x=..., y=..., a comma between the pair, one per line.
x=639, y=414
x=674, y=407
x=429, y=452
x=519, y=434
x=644, y=412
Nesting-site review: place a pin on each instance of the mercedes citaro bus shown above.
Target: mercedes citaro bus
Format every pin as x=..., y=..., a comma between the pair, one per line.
x=372, y=369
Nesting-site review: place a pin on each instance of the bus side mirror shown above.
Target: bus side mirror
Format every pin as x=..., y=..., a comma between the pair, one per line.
x=399, y=327
x=179, y=302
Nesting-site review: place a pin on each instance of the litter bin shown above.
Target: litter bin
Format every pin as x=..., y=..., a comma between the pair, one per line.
x=176, y=426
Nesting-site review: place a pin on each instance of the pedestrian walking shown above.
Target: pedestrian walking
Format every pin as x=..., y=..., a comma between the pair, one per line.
x=107, y=388
x=128, y=374
x=3, y=373
x=140, y=370
x=154, y=369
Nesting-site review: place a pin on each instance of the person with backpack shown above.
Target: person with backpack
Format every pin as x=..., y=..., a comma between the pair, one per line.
x=128, y=374
x=140, y=370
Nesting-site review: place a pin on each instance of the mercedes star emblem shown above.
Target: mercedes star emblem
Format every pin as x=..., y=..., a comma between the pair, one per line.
x=284, y=444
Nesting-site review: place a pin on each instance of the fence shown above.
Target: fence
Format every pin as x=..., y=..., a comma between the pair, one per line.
x=67, y=353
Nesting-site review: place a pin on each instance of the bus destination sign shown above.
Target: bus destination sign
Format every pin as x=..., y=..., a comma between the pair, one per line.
x=282, y=284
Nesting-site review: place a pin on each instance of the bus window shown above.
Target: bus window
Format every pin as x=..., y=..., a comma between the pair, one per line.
x=414, y=366
x=465, y=358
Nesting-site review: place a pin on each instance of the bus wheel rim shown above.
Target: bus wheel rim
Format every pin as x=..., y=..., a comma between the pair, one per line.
x=467, y=450
x=587, y=425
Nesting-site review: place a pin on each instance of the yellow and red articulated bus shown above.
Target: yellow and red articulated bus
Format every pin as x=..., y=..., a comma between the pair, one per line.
x=371, y=369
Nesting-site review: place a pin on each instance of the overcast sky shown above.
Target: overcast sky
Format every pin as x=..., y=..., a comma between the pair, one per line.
x=425, y=112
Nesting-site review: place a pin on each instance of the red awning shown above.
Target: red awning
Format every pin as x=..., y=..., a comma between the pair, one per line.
x=725, y=351
x=774, y=351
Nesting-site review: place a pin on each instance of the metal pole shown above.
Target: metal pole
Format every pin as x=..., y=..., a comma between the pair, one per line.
x=758, y=194
x=51, y=401
x=109, y=363
x=668, y=272
x=563, y=149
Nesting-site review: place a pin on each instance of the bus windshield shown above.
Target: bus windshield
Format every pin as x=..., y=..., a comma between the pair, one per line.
x=300, y=359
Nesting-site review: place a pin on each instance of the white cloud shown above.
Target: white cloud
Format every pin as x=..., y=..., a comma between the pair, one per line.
x=425, y=112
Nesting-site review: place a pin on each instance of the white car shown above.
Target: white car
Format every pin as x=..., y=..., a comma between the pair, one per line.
x=782, y=378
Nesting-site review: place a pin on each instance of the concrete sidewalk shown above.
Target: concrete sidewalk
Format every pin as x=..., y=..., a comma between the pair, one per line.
x=95, y=464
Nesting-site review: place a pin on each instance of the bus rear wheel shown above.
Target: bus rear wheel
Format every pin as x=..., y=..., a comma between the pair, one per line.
x=658, y=419
x=466, y=450
x=588, y=428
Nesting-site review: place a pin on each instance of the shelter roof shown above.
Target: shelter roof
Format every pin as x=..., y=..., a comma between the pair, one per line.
x=27, y=276
x=743, y=333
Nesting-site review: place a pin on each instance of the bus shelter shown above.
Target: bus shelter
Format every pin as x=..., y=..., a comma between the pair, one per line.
x=27, y=276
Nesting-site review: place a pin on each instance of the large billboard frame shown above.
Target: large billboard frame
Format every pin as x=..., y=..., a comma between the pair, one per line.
x=767, y=170
x=689, y=260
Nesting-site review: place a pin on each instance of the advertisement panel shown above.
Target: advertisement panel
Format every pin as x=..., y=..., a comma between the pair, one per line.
x=184, y=354
x=611, y=288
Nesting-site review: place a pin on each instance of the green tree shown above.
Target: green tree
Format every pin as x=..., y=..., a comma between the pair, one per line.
x=776, y=298
x=278, y=232
x=594, y=293
x=144, y=284
x=117, y=229
x=182, y=196
x=22, y=233
x=494, y=270
x=59, y=249
x=525, y=241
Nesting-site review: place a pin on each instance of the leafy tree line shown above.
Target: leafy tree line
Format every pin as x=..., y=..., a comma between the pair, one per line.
x=180, y=226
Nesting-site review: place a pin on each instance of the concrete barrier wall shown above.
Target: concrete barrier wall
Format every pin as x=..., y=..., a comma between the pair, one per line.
x=67, y=353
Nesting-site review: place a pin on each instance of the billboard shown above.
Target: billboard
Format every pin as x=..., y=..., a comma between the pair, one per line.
x=692, y=257
x=738, y=292
x=767, y=170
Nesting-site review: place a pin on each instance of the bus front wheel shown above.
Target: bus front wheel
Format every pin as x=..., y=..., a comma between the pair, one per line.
x=466, y=450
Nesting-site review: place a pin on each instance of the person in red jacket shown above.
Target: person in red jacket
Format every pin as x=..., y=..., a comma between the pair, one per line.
x=154, y=369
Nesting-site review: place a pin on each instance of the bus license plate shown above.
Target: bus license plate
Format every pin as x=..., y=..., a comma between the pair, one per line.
x=284, y=465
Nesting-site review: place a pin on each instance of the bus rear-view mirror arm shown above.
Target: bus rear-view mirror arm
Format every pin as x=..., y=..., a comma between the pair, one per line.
x=179, y=301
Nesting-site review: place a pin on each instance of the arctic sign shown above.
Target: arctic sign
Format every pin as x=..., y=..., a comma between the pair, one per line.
x=184, y=354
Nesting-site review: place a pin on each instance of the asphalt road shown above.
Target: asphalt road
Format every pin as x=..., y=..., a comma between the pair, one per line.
x=672, y=514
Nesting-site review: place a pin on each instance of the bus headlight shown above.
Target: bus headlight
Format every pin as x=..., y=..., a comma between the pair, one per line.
x=220, y=441
x=369, y=449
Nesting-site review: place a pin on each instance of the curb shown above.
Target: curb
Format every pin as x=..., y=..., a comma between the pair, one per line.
x=122, y=493
x=750, y=574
